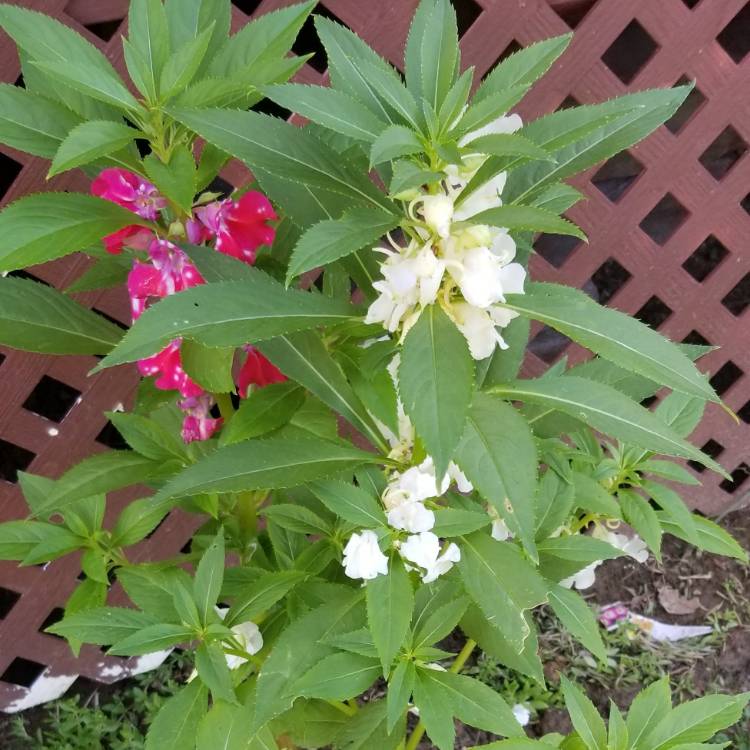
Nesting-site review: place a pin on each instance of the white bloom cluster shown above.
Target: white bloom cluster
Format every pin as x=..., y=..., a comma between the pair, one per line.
x=466, y=267
x=633, y=546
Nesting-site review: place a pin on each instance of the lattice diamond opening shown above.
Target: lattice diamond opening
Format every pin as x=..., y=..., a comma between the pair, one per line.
x=706, y=258
x=608, y=279
x=654, y=313
x=739, y=297
x=728, y=148
x=52, y=399
x=13, y=458
x=616, y=175
x=630, y=52
x=687, y=110
x=573, y=11
x=664, y=219
x=735, y=37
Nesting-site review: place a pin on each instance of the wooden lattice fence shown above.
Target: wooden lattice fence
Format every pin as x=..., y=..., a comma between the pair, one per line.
x=668, y=223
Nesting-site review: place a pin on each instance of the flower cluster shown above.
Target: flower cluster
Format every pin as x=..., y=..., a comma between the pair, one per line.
x=465, y=267
x=236, y=228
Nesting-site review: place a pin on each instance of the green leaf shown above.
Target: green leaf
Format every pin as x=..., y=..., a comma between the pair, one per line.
x=498, y=455
x=522, y=218
x=146, y=436
x=137, y=520
x=669, y=501
x=330, y=108
x=577, y=617
x=440, y=623
x=604, y=408
x=338, y=677
x=54, y=47
x=368, y=727
x=209, y=576
x=229, y=313
x=227, y=727
x=439, y=54
x=393, y=142
x=387, y=85
x=176, y=724
x=668, y=470
x=592, y=497
x=455, y=101
x=101, y=473
x=681, y=412
x=553, y=504
x=152, y=638
x=330, y=240
x=212, y=668
x=270, y=145
x=263, y=411
x=585, y=717
x=349, y=502
x=451, y=522
x=436, y=379
x=475, y=703
x=105, y=273
x=407, y=175
x=400, y=688
x=261, y=595
x=102, y=625
x=150, y=588
x=38, y=318
x=149, y=36
x=647, y=709
x=264, y=464
x=390, y=601
x=184, y=62
x=578, y=547
x=617, y=731
x=188, y=19
x=613, y=335
x=297, y=518
x=32, y=123
x=505, y=364
x=303, y=357
x=501, y=583
x=508, y=144
x=19, y=538
x=642, y=517
x=696, y=721
x=175, y=180
x=435, y=708
x=711, y=537
x=47, y=226
x=209, y=366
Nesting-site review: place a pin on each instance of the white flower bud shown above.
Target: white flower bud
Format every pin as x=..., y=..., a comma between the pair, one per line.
x=437, y=211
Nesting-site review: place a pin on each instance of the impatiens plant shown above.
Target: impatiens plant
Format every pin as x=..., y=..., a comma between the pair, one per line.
x=330, y=361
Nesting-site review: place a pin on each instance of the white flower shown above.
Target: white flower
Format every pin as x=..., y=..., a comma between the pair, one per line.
x=521, y=713
x=633, y=546
x=503, y=124
x=247, y=634
x=437, y=211
x=424, y=551
x=479, y=276
x=500, y=530
x=461, y=480
x=503, y=246
x=363, y=558
x=478, y=328
x=486, y=196
x=583, y=579
x=412, y=517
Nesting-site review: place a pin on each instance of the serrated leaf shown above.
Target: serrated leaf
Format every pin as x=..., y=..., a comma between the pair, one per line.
x=642, y=517
x=152, y=638
x=338, y=677
x=183, y=63
x=349, y=502
x=175, y=180
x=262, y=594
x=577, y=617
x=209, y=366
x=146, y=436
x=585, y=718
x=711, y=537
x=102, y=625
x=149, y=36
x=400, y=688
x=209, y=576
x=176, y=724
x=669, y=501
x=395, y=141
x=211, y=665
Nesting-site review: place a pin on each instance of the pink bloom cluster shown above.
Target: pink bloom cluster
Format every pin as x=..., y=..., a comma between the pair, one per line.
x=237, y=228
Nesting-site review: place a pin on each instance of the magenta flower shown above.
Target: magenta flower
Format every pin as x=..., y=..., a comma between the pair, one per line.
x=166, y=368
x=257, y=370
x=198, y=423
x=129, y=191
x=240, y=226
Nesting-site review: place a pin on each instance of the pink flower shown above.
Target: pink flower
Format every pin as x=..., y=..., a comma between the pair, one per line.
x=129, y=191
x=257, y=370
x=196, y=233
x=198, y=423
x=131, y=236
x=166, y=367
x=240, y=226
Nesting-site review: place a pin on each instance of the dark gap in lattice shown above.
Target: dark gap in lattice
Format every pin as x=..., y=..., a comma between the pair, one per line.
x=9, y=170
x=632, y=49
x=13, y=458
x=735, y=38
x=185, y=549
x=8, y=599
x=706, y=258
x=110, y=436
x=308, y=41
x=664, y=219
x=549, y=344
x=2, y=358
x=739, y=297
x=157, y=527
x=20, y=273
x=555, y=248
x=573, y=11
x=694, y=337
x=723, y=153
x=116, y=322
x=54, y=616
x=248, y=7
x=654, y=312
x=745, y=203
x=744, y=413
x=649, y=401
x=713, y=449
x=691, y=3
x=617, y=174
x=725, y=377
x=143, y=146
x=221, y=186
x=105, y=30
x=269, y=107
x=467, y=11
x=511, y=48
x=23, y=672
x=20, y=82
x=693, y=102
x=608, y=279
x=739, y=477
x=51, y=399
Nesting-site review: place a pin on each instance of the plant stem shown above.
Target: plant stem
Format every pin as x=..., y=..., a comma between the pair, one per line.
x=226, y=407
x=343, y=707
x=456, y=667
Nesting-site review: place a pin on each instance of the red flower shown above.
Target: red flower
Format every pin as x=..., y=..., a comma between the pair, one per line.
x=166, y=367
x=257, y=370
x=198, y=423
x=240, y=226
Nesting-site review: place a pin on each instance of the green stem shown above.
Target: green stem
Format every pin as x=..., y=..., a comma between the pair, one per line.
x=343, y=707
x=226, y=407
x=457, y=666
